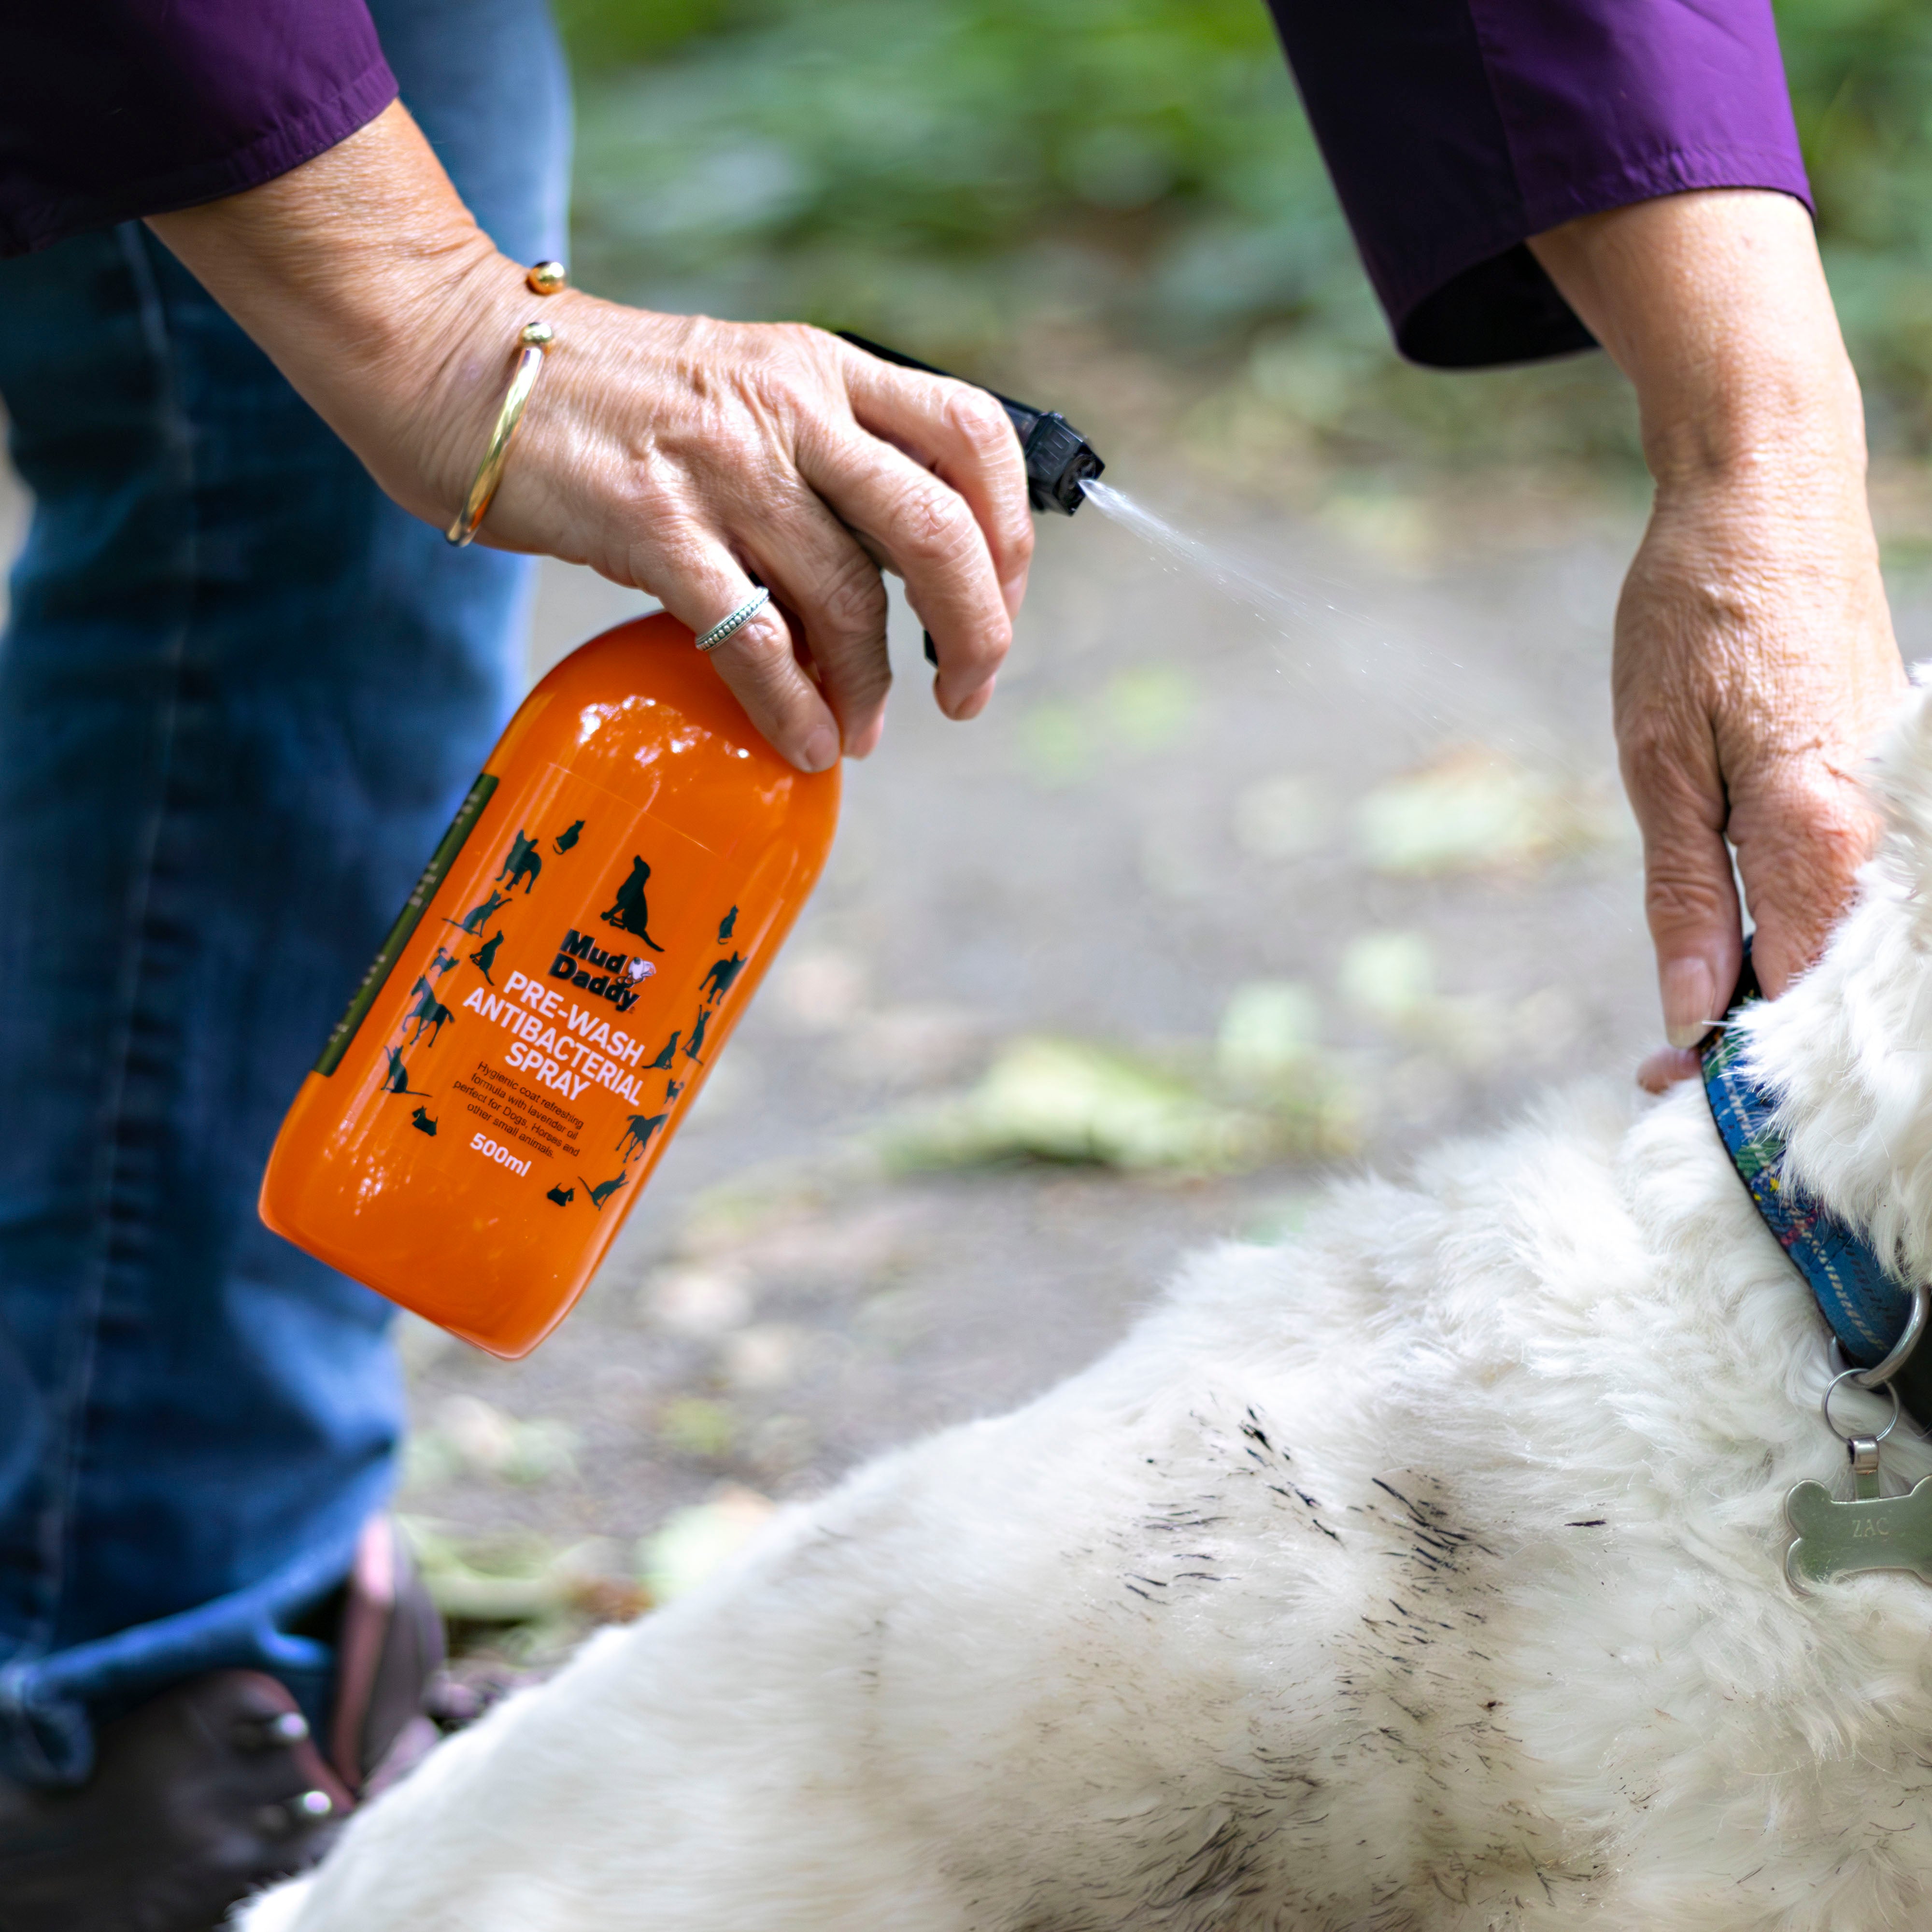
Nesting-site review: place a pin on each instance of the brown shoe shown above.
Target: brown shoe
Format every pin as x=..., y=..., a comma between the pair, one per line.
x=206, y=1792
x=214, y=1788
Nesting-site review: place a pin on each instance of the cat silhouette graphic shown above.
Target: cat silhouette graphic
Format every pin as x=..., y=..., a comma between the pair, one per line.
x=477, y=917
x=726, y=925
x=485, y=957
x=567, y=838
x=397, y=1080
x=603, y=1191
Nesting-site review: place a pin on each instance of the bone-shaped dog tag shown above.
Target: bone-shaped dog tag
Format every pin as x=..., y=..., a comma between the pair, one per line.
x=1871, y=1532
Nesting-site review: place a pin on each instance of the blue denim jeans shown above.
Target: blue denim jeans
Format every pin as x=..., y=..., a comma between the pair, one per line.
x=241, y=694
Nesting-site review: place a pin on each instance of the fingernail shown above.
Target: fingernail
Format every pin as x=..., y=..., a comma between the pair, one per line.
x=821, y=749
x=1661, y=1070
x=971, y=706
x=1012, y=593
x=1690, y=1001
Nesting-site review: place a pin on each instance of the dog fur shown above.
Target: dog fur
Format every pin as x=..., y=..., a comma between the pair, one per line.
x=1422, y=1572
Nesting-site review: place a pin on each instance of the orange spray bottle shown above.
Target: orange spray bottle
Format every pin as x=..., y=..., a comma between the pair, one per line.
x=564, y=975
x=557, y=986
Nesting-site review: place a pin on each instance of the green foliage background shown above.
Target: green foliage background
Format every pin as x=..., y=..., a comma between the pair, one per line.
x=956, y=176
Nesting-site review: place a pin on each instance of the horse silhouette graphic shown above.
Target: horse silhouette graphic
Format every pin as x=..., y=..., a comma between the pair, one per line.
x=563, y=1196
x=397, y=1080
x=637, y=1137
x=603, y=1191
x=422, y=1122
x=477, y=917
x=726, y=924
x=567, y=838
x=485, y=957
x=630, y=913
x=524, y=862
x=718, y=980
x=431, y=1013
x=697, y=1039
x=662, y=1062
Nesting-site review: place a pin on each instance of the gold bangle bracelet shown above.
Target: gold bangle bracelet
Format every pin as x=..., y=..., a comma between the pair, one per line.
x=533, y=339
x=544, y=278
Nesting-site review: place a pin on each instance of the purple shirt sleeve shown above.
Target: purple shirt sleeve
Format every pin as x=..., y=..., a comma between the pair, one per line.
x=113, y=109
x=1455, y=129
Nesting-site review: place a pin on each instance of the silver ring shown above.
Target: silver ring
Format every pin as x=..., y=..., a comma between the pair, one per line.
x=736, y=621
x=1852, y=1375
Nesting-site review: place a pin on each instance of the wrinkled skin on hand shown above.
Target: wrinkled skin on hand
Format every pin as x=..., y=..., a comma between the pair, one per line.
x=676, y=454
x=1754, y=664
x=1754, y=654
x=688, y=457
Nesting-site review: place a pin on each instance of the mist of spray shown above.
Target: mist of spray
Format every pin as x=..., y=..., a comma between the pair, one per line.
x=1240, y=580
x=1319, y=639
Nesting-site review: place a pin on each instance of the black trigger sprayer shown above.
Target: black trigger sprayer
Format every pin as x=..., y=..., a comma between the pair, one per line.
x=1060, y=461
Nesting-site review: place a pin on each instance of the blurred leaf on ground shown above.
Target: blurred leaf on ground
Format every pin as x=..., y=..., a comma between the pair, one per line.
x=1149, y=706
x=1057, y=741
x=1141, y=709
x=1469, y=812
x=522, y=1578
x=692, y=1426
x=1270, y=1028
x=698, y=1300
x=469, y=1436
x=695, y=1542
x=1388, y=976
x=1054, y=1099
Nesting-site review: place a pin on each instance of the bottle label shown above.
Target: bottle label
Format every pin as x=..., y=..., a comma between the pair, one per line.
x=407, y=920
x=565, y=991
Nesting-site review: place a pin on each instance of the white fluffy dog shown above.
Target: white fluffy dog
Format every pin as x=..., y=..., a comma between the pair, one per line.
x=1422, y=1572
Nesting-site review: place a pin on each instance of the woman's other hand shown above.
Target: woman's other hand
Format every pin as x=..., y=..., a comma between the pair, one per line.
x=1754, y=657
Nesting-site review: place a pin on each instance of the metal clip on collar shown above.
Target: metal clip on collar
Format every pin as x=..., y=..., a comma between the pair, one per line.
x=1881, y=1372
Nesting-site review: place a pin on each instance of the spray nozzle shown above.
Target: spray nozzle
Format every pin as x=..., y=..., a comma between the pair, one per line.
x=1060, y=461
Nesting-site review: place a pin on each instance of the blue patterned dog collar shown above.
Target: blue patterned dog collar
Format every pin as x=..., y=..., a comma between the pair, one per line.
x=1867, y=1303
